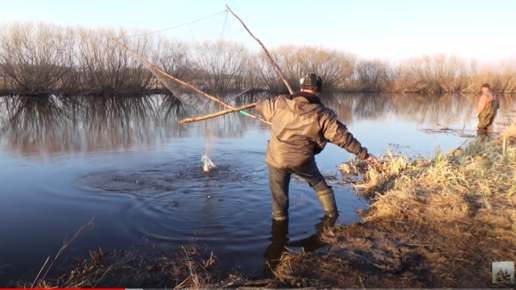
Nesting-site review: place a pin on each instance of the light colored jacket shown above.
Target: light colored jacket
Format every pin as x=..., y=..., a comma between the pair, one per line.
x=301, y=127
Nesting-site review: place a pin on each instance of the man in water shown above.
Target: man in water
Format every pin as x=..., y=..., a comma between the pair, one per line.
x=301, y=127
x=486, y=111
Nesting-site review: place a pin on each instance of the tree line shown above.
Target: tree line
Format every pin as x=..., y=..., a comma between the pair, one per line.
x=44, y=58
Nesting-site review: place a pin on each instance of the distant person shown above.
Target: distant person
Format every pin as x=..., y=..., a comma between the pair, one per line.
x=301, y=127
x=500, y=276
x=487, y=108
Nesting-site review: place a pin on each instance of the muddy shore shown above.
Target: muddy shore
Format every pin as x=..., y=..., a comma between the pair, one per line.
x=436, y=222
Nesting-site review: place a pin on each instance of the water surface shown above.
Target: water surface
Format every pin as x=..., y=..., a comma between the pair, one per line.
x=127, y=162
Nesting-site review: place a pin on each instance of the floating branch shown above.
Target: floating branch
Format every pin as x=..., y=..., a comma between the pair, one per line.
x=187, y=84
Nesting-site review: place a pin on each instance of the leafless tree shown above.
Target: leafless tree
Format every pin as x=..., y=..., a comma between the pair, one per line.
x=107, y=67
x=35, y=58
x=43, y=58
x=375, y=75
x=335, y=67
x=219, y=65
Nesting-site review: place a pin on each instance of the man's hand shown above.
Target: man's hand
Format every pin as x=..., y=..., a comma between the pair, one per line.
x=476, y=115
x=371, y=159
x=475, y=126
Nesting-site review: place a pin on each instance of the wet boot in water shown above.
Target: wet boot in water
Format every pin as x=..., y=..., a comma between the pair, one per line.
x=327, y=200
x=327, y=222
x=280, y=215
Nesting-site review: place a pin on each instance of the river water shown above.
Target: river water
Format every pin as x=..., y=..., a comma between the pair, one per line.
x=128, y=163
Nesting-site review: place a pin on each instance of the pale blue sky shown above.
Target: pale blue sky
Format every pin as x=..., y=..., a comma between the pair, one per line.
x=389, y=29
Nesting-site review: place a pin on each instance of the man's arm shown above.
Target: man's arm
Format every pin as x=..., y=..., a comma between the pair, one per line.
x=482, y=103
x=266, y=107
x=337, y=133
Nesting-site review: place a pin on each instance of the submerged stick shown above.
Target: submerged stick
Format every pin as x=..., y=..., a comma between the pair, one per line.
x=187, y=84
x=276, y=67
x=218, y=114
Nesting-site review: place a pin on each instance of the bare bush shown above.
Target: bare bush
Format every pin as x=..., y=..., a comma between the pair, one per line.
x=432, y=74
x=335, y=67
x=219, y=66
x=42, y=58
x=36, y=58
x=375, y=75
x=107, y=67
x=173, y=58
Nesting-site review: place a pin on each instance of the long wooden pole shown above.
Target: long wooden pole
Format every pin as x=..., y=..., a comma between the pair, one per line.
x=218, y=114
x=276, y=67
x=188, y=85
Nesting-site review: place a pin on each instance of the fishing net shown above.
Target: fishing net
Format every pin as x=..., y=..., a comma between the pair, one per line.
x=218, y=67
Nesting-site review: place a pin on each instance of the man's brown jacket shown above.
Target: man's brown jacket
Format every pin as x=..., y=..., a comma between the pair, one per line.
x=301, y=127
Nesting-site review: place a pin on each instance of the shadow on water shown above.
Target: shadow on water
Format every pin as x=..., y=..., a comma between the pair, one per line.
x=129, y=162
x=280, y=243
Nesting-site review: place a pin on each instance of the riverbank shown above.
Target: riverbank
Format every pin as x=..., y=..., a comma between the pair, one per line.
x=436, y=222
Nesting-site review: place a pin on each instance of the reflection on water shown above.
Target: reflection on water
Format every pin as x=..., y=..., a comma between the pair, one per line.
x=412, y=108
x=53, y=125
x=280, y=241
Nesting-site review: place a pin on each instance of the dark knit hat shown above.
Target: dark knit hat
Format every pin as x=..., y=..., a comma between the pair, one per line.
x=311, y=82
x=486, y=85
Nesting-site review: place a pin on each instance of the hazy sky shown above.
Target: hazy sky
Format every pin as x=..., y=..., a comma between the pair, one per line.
x=388, y=29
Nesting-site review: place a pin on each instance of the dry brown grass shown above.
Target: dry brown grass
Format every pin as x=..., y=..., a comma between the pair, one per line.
x=140, y=266
x=510, y=133
x=146, y=265
x=436, y=222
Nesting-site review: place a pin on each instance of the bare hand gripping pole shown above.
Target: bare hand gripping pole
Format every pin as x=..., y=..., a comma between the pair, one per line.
x=192, y=87
x=276, y=67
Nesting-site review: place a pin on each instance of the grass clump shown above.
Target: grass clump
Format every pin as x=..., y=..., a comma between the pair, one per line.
x=136, y=267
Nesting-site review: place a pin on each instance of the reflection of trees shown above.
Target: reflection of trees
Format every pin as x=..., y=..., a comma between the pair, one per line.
x=229, y=125
x=122, y=122
x=55, y=124
x=50, y=125
x=414, y=108
x=34, y=124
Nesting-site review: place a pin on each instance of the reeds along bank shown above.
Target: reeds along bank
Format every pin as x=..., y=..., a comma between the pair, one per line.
x=43, y=58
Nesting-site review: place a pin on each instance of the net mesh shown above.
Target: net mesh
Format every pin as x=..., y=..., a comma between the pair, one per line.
x=216, y=64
